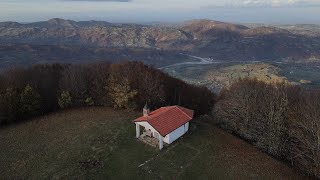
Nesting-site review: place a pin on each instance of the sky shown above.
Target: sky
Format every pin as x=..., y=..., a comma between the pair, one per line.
x=145, y=11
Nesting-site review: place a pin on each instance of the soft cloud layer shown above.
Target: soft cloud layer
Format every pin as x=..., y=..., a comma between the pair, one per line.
x=101, y=0
x=262, y=11
x=287, y=3
x=266, y=3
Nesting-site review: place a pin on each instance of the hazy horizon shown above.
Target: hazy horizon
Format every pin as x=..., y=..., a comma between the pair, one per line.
x=146, y=11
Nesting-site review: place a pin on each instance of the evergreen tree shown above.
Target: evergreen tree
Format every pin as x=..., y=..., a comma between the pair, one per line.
x=30, y=102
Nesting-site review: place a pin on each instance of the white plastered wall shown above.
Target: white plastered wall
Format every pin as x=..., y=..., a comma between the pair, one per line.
x=170, y=138
x=174, y=135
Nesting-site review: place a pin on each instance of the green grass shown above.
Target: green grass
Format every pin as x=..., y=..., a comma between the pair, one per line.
x=100, y=143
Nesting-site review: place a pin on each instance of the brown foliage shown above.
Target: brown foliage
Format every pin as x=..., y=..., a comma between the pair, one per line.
x=127, y=85
x=99, y=74
x=159, y=89
x=76, y=80
x=305, y=133
x=257, y=112
x=281, y=119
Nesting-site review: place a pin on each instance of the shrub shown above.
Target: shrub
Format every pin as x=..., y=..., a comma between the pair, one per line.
x=89, y=101
x=65, y=100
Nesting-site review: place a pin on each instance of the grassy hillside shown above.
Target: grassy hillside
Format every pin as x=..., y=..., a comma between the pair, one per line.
x=228, y=75
x=100, y=143
x=219, y=75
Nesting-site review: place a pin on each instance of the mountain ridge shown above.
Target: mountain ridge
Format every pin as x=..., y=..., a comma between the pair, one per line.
x=206, y=38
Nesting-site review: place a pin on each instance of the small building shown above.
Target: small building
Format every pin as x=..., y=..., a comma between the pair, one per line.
x=166, y=124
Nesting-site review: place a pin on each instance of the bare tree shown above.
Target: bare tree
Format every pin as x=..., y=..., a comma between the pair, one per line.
x=256, y=111
x=305, y=133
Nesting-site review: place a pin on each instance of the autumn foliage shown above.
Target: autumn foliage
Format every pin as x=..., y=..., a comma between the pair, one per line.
x=281, y=119
x=27, y=92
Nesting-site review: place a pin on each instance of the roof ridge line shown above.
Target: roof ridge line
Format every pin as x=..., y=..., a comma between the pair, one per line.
x=183, y=112
x=149, y=117
x=167, y=109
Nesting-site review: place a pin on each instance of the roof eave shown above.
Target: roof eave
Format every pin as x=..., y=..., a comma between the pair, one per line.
x=176, y=128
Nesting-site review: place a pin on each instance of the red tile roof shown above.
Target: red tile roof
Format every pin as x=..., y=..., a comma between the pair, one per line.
x=167, y=119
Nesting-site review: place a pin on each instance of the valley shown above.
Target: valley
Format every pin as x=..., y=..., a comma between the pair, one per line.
x=201, y=52
x=60, y=40
x=216, y=74
x=24, y=55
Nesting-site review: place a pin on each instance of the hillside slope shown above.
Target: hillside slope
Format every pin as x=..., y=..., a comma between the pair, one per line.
x=219, y=40
x=100, y=143
x=27, y=55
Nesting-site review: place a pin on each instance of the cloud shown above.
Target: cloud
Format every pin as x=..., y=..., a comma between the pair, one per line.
x=100, y=0
x=267, y=4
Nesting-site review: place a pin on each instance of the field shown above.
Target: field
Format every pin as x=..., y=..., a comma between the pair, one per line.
x=100, y=143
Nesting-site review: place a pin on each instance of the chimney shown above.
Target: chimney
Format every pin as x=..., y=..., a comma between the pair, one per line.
x=146, y=110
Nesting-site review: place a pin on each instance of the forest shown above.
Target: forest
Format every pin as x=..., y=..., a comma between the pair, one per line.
x=281, y=119
x=41, y=89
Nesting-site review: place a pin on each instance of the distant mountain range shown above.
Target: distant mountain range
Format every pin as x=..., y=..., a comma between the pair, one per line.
x=65, y=39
